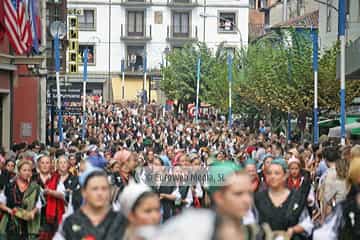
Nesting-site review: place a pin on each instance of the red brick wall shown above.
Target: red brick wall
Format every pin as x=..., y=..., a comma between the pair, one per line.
x=26, y=97
x=256, y=17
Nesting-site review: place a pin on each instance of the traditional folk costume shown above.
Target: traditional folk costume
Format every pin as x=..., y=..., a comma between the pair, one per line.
x=79, y=227
x=344, y=221
x=292, y=212
x=186, y=226
x=20, y=226
x=53, y=208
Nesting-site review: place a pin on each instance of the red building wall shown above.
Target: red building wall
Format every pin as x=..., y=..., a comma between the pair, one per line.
x=26, y=104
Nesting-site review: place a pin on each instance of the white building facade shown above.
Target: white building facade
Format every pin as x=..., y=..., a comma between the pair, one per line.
x=328, y=22
x=149, y=28
x=328, y=34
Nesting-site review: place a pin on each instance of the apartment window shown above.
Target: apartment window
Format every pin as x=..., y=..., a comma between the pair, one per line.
x=300, y=7
x=181, y=24
x=91, y=53
x=257, y=4
x=48, y=17
x=87, y=20
x=135, y=56
x=56, y=14
x=252, y=4
x=328, y=15
x=262, y=3
x=227, y=22
x=135, y=23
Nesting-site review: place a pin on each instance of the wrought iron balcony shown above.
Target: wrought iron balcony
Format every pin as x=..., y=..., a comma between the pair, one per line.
x=139, y=3
x=182, y=3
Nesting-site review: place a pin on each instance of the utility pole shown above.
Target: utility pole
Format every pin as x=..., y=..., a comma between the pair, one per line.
x=229, y=63
x=315, y=69
x=204, y=27
x=284, y=18
x=197, y=88
x=284, y=10
x=342, y=22
x=43, y=92
x=109, y=67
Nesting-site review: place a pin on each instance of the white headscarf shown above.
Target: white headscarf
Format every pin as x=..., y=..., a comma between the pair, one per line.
x=130, y=195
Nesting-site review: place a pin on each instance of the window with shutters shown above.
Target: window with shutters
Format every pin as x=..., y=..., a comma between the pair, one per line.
x=135, y=23
x=181, y=26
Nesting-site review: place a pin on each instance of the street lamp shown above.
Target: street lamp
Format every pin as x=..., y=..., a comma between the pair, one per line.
x=58, y=31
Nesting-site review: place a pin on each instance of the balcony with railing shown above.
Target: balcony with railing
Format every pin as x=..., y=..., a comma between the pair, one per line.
x=134, y=62
x=136, y=2
x=182, y=3
x=138, y=33
x=182, y=33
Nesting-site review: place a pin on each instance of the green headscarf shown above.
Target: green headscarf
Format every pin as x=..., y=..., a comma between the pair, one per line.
x=218, y=173
x=281, y=162
x=249, y=161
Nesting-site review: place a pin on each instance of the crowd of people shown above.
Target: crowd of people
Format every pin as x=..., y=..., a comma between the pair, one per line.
x=101, y=187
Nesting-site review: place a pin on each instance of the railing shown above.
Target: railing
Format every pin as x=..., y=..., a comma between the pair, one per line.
x=86, y=26
x=136, y=66
x=185, y=32
x=136, y=2
x=127, y=32
x=182, y=2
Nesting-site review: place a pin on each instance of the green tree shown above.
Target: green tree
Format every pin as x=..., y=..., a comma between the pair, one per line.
x=180, y=75
x=278, y=75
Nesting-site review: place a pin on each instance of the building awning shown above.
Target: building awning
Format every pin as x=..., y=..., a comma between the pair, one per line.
x=335, y=132
x=352, y=61
x=330, y=123
x=355, y=132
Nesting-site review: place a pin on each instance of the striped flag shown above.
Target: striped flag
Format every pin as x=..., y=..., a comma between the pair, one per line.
x=18, y=25
x=2, y=22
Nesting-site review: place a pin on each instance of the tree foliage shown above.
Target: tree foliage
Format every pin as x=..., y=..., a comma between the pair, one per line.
x=272, y=76
x=279, y=75
x=180, y=76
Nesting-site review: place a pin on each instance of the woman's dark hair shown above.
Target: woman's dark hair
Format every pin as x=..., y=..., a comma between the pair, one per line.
x=331, y=153
x=59, y=152
x=354, y=190
x=97, y=173
x=160, y=160
x=10, y=160
x=141, y=198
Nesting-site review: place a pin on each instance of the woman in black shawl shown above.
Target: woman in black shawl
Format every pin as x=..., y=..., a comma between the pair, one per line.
x=283, y=209
x=95, y=220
